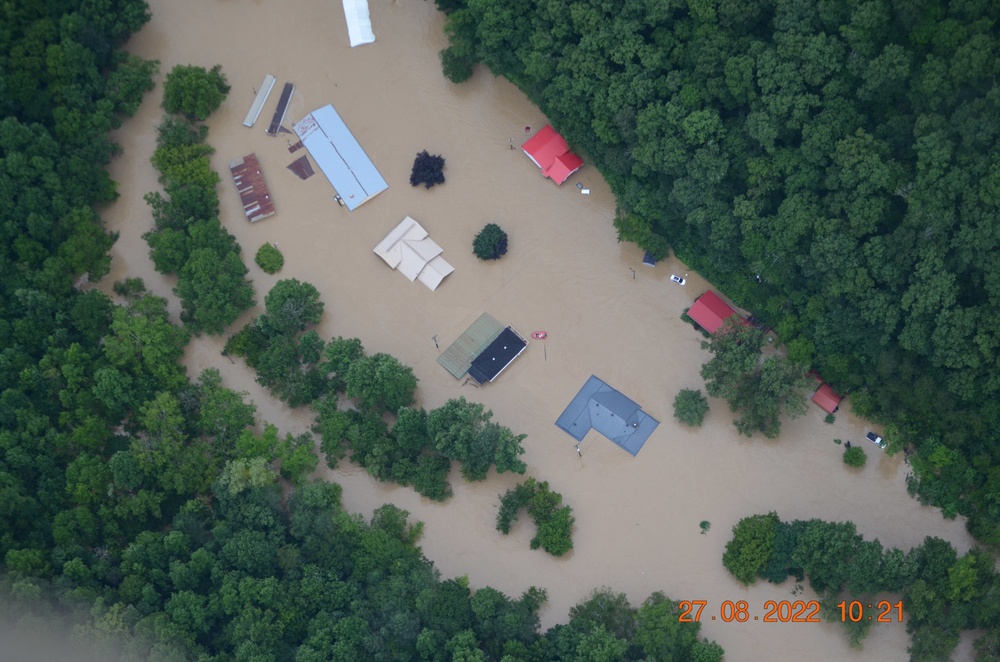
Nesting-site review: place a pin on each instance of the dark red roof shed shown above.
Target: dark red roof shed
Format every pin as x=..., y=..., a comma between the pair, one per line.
x=709, y=311
x=826, y=398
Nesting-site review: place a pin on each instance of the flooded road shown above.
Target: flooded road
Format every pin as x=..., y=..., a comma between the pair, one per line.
x=605, y=313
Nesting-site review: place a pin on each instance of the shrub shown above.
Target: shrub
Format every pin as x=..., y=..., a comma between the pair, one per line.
x=705, y=525
x=428, y=169
x=690, y=407
x=269, y=259
x=490, y=243
x=855, y=457
x=830, y=418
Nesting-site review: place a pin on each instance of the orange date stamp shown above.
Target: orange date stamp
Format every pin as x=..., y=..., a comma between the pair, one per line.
x=788, y=611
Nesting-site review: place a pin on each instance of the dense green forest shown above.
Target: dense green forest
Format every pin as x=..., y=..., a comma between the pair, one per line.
x=942, y=593
x=831, y=165
x=147, y=515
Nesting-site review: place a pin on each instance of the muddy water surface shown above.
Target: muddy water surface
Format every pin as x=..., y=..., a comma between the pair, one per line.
x=606, y=314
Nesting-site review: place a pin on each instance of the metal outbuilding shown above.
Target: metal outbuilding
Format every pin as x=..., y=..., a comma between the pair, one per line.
x=339, y=155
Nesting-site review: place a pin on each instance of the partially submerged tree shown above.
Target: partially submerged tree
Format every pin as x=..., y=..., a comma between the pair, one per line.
x=490, y=243
x=194, y=92
x=462, y=431
x=428, y=169
x=690, y=407
x=759, y=391
x=554, y=521
x=750, y=550
x=381, y=382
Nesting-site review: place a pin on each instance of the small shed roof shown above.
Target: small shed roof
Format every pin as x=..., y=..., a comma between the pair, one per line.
x=709, y=311
x=550, y=152
x=340, y=157
x=611, y=413
x=826, y=398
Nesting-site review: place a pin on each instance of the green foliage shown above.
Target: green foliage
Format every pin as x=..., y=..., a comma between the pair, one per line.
x=752, y=546
x=690, y=407
x=331, y=425
x=297, y=457
x=176, y=131
x=704, y=525
x=213, y=290
x=490, y=243
x=380, y=381
x=338, y=356
x=759, y=390
x=941, y=592
x=288, y=364
x=458, y=59
x=290, y=306
x=553, y=521
x=194, y=92
x=855, y=457
x=188, y=239
x=511, y=504
x=269, y=259
x=462, y=431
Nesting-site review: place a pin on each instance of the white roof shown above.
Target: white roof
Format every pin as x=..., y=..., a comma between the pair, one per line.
x=409, y=250
x=340, y=156
x=359, y=22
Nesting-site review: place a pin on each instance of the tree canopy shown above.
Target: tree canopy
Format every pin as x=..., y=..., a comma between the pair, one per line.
x=760, y=389
x=187, y=237
x=941, y=592
x=193, y=91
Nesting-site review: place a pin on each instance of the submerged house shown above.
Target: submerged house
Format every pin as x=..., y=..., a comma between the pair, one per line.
x=597, y=406
x=409, y=250
x=550, y=152
x=485, y=350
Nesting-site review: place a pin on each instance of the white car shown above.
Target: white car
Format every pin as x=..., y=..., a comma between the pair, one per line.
x=875, y=439
x=677, y=279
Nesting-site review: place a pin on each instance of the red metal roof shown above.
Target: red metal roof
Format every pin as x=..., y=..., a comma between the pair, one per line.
x=564, y=166
x=709, y=311
x=550, y=152
x=826, y=398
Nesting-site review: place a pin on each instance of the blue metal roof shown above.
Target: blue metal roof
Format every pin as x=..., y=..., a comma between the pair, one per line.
x=340, y=157
x=604, y=409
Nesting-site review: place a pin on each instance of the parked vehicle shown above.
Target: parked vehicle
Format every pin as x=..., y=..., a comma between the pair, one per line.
x=875, y=439
x=677, y=279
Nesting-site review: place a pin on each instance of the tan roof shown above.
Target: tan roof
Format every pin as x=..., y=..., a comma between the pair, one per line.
x=409, y=250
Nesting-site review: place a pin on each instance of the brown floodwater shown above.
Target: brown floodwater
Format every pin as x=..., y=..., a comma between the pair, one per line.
x=637, y=519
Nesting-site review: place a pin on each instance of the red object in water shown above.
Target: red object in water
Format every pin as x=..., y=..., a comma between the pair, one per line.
x=539, y=335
